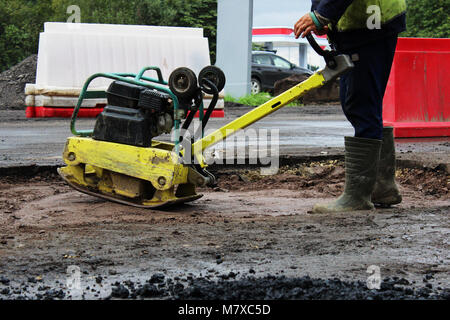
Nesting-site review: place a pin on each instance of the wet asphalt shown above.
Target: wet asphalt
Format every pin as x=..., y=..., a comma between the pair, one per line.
x=301, y=131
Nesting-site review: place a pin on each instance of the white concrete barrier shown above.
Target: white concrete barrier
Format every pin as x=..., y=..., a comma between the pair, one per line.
x=71, y=53
x=68, y=56
x=91, y=28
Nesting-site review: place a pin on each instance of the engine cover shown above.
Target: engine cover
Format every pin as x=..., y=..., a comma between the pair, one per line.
x=123, y=125
x=134, y=115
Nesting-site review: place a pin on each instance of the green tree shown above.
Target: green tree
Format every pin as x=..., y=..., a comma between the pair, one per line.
x=23, y=20
x=97, y=11
x=428, y=19
x=20, y=25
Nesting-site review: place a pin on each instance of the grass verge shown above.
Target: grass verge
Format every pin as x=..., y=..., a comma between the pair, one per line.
x=257, y=100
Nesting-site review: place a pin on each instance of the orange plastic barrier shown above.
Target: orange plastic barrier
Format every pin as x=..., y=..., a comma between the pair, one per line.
x=417, y=100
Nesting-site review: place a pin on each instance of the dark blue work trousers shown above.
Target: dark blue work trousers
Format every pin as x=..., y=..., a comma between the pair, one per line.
x=363, y=88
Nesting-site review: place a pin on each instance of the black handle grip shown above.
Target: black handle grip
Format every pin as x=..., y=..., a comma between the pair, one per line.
x=315, y=45
x=328, y=55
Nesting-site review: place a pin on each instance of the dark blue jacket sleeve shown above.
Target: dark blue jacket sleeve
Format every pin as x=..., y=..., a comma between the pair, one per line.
x=315, y=3
x=331, y=9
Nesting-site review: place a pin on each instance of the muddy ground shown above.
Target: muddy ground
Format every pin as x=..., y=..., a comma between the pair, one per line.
x=252, y=237
x=252, y=234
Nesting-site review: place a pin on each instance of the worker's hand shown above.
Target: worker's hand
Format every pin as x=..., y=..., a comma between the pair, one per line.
x=306, y=25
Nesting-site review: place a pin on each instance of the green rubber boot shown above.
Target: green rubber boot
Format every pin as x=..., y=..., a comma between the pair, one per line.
x=361, y=164
x=386, y=192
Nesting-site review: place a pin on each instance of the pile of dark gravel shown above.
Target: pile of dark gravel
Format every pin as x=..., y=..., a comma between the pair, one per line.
x=229, y=287
x=13, y=81
x=274, y=288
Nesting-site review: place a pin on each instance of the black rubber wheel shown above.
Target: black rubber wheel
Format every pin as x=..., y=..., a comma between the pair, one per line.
x=213, y=74
x=183, y=83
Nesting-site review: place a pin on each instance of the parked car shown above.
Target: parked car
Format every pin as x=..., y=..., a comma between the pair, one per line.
x=268, y=68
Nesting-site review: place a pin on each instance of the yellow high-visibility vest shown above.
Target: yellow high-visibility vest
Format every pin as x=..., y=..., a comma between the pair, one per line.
x=359, y=12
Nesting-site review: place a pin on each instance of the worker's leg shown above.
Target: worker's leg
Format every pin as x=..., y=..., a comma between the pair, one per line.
x=386, y=192
x=362, y=92
x=363, y=88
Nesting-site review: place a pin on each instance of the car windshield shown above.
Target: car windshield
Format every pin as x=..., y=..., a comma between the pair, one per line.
x=281, y=63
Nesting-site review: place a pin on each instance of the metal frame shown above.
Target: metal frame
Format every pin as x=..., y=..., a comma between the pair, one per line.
x=136, y=79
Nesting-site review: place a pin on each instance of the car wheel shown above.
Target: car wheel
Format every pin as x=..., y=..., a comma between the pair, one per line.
x=255, y=86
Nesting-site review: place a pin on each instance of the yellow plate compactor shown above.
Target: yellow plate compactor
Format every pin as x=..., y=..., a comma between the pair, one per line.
x=121, y=161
